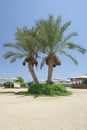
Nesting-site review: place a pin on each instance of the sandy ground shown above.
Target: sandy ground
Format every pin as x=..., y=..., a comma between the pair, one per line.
x=43, y=113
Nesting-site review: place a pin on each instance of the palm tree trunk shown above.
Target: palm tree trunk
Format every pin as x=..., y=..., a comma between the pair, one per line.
x=50, y=70
x=33, y=73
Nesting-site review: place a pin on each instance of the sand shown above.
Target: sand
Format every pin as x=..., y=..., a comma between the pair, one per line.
x=43, y=113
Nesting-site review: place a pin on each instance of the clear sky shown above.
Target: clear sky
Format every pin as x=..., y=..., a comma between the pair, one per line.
x=20, y=13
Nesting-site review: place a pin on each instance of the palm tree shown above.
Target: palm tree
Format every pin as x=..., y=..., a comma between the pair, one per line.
x=53, y=41
x=25, y=47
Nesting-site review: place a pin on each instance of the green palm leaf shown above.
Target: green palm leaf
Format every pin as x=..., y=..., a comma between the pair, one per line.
x=71, y=45
x=9, y=54
x=43, y=63
x=65, y=26
x=68, y=55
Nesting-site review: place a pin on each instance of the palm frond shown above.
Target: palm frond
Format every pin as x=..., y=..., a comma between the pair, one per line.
x=8, y=44
x=71, y=45
x=65, y=39
x=9, y=54
x=17, y=46
x=68, y=55
x=65, y=26
x=13, y=59
x=14, y=55
x=43, y=62
x=58, y=22
x=17, y=56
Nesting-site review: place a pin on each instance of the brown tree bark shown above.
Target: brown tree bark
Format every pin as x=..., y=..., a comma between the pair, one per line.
x=30, y=66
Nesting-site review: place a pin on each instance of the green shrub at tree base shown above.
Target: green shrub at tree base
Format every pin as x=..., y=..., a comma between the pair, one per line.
x=47, y=89
x=59, y=87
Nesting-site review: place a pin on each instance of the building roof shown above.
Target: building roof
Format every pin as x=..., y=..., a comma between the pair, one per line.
x=84, y=77
x=60, y=80
x=7, y=79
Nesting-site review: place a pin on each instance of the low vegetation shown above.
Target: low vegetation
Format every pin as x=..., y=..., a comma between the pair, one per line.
x=46, y=90
x=8, y=84
x=18, y=80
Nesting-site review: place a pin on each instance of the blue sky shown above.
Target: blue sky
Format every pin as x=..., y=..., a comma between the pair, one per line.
x=20, y=13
